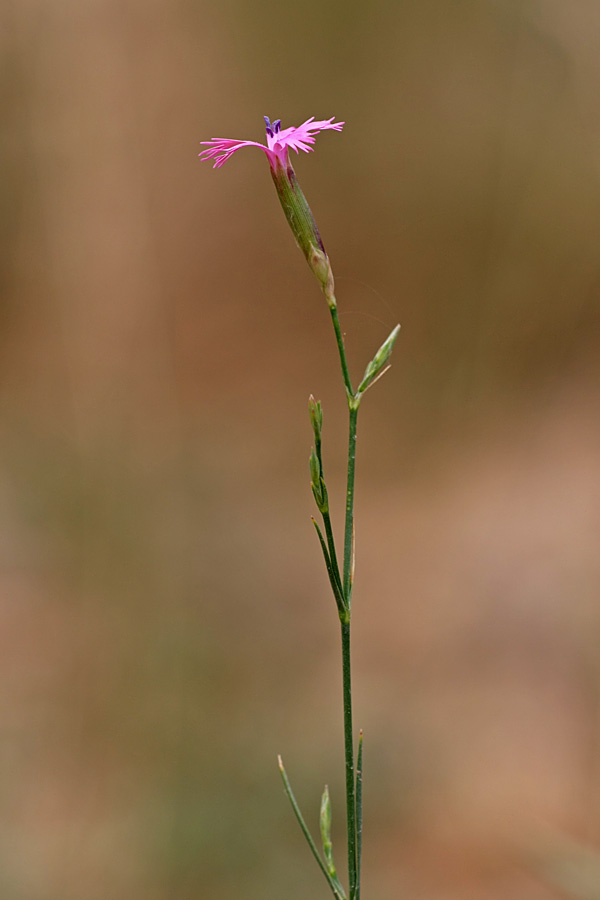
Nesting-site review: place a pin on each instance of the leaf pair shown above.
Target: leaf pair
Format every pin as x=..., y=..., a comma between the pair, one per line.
x=327, y=867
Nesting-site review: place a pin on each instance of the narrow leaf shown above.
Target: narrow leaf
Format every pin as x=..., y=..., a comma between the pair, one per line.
x=332, y=579
x=334, y=884
x=379, y=363
x=325, y=823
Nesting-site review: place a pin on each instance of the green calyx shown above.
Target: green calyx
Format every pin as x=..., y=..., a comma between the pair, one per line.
x=304, y=228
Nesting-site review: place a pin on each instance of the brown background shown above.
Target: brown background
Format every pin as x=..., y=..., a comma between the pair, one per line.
x=165, y=623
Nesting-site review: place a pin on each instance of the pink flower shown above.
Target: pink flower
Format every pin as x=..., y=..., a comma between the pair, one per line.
x=293, y=202
x=278, y=142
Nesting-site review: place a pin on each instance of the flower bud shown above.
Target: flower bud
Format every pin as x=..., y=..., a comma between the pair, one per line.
x=316, y=417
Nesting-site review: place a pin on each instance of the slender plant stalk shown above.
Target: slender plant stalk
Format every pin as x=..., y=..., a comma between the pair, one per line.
x=340, y=342
x=303, y=225
x=349, y=528
x=353, y=403
x=341, y=585
x=349, y=754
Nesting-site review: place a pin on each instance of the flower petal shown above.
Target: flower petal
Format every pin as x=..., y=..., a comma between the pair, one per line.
x=278, y=142
x=221, y=149
x=302, y=137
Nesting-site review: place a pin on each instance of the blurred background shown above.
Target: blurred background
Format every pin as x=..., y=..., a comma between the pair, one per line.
x=166, y=626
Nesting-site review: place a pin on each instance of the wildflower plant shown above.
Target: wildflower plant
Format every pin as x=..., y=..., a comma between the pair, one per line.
x=305, y=231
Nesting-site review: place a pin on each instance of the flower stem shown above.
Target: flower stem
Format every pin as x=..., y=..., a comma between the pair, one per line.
x=340, y=342
x=349, y=527
x=349, y=754
x=348, y=567
x=346, y=657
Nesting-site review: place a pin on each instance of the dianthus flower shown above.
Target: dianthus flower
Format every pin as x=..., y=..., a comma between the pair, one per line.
x=293, y=201
x=278, y=142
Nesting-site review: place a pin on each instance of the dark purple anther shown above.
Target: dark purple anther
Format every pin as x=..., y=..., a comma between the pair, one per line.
x=277, y=126
x=269, y=127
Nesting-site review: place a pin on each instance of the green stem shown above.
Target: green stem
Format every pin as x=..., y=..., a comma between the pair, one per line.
x=348, y=574
x=349, y=528
x=340, y=342
x=349, y=753
x=345, y=621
